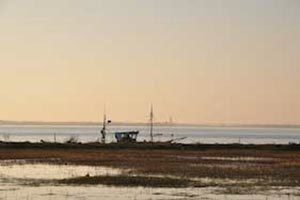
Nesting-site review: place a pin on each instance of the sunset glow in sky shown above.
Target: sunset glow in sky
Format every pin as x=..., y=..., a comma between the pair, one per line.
x=199, y=61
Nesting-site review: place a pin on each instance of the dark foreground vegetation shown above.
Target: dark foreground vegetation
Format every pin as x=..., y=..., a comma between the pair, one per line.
x=152, y=164
x=131, y=181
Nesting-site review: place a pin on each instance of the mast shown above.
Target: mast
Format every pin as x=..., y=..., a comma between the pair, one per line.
x=151, y=123
x=104, y=125
x=103, y=130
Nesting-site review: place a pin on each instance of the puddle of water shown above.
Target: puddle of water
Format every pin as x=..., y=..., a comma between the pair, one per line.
x=49, y=171
x=116, y=193
x=226, y=158
x=11, y=187
x=99, y=192
x=238, y=158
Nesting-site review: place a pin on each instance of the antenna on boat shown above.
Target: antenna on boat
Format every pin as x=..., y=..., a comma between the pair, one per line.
x=151, y=123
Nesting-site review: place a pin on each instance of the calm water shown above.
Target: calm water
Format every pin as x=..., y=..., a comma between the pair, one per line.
x=192, y=134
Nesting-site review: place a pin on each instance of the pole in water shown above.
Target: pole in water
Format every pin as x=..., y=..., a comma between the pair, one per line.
x=151, y=123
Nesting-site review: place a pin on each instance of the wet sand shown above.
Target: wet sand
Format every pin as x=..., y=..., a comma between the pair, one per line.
x=207, y=170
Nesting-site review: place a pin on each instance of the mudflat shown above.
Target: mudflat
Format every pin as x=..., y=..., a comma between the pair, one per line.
x=271, y=165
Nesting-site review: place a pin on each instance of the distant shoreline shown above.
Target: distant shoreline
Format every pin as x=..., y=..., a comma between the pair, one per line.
x=4, y=122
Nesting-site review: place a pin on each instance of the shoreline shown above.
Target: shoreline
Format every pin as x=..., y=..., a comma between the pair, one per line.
x=150, y=146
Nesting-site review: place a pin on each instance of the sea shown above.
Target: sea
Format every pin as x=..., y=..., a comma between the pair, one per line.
x=179, y=134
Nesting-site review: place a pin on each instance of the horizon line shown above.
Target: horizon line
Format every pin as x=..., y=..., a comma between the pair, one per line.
x=18, y=122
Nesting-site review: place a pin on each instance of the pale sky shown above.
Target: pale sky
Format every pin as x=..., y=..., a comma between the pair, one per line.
x=199, y=61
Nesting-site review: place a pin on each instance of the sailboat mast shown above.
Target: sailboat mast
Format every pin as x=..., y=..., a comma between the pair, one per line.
x=104, y=121
x=103, y=131
x=151, y=123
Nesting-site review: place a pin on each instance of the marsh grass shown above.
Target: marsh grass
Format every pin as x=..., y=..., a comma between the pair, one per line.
x=72, y=140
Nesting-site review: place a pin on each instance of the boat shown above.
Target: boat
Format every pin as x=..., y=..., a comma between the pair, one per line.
x=131, y=136
x=126, y=136
x=121, y=137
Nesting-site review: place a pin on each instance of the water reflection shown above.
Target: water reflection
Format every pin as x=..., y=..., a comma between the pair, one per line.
x=14, y=174
x=126, y=193
x=46, y=171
